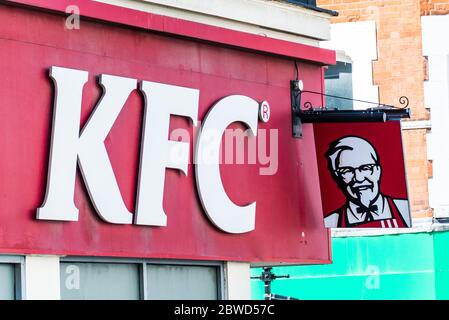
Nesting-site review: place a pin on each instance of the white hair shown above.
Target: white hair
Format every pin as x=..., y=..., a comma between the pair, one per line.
x=349, y=143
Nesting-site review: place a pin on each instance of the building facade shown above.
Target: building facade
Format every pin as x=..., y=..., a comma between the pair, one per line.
x=105, y=191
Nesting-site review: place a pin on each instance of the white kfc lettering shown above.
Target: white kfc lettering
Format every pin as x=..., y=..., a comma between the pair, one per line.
x=221, y=210
x=181, y=102
x=68, y=147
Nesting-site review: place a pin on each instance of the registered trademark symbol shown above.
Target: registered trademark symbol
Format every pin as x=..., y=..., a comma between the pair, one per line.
x=264, y=111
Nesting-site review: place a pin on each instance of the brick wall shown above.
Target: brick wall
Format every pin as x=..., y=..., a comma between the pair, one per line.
x=417, y=171
x=400, y=70
x=434, y=7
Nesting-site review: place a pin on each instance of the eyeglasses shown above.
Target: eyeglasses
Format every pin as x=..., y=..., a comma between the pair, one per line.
x=348, y=173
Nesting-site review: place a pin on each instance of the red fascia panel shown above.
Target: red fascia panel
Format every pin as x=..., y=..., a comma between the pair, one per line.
x=187, y=29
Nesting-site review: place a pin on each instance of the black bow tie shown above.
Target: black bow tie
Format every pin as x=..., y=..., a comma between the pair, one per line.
x=369, y=216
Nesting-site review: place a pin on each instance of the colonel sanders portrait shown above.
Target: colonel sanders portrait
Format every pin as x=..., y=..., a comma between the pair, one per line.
x=356, y=168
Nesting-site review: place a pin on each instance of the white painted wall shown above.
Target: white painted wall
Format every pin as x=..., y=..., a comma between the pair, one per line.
x=42, y=278
x=268, y=18
x=358, y=41
x=237, y=280
x=436, y=97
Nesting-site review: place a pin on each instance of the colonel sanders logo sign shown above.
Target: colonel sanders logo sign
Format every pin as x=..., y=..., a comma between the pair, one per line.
x=356, y=167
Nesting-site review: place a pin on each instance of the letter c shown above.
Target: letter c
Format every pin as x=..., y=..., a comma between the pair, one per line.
x=223, y=213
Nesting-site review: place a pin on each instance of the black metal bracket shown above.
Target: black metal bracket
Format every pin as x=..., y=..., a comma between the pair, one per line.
x=295, y=93
x=310, y=114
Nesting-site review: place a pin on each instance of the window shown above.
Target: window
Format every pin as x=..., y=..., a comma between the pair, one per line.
x=106, y=281
x=11, y=269
x=177, y=282
x=123, y=279
x=338, y=82
x=7, y=291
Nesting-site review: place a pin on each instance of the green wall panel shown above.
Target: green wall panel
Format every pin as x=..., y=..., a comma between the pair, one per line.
x=404, y=266
x=441, y=245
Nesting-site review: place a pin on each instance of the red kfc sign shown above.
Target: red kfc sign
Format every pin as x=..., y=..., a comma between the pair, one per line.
x=123, y=142
x=362, y=175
